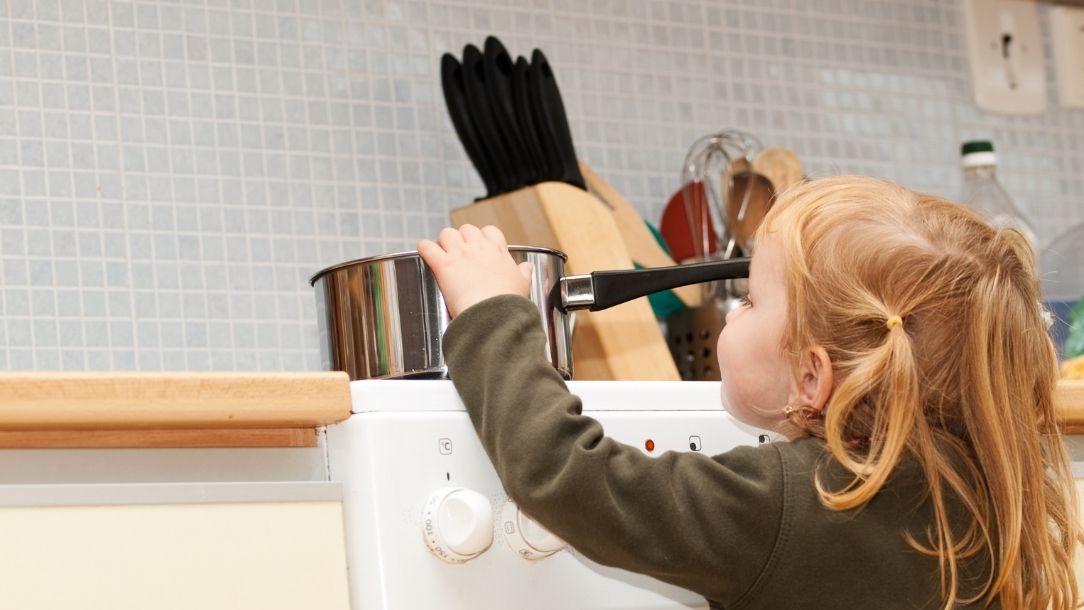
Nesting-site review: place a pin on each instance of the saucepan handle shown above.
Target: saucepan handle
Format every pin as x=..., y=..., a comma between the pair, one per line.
x=604, y=289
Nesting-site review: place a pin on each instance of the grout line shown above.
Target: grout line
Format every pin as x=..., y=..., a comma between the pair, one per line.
x=22, y=189
x=122, y=172
x=48, y=203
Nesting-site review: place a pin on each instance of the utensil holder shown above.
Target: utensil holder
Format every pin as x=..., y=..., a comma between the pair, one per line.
x=624, y=342
x=692, y=335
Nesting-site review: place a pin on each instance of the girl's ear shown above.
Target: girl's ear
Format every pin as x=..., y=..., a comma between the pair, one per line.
x=814, y=381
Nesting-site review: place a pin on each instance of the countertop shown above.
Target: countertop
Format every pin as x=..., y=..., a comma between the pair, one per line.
x=43, y=409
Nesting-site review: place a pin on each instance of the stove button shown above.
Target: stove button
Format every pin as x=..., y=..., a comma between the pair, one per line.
x=526, y=537
x=457, y=524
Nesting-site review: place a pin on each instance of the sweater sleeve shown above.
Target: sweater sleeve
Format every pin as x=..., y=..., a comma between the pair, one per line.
x=707, y=524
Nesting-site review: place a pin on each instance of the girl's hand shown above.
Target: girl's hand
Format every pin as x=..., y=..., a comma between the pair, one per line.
x=472, y=265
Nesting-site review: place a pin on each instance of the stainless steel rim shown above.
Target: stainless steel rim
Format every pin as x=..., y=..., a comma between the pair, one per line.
x=414, y=254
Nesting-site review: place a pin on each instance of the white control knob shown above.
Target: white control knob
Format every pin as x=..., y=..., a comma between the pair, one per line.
x=526, y=537
x=457, y=524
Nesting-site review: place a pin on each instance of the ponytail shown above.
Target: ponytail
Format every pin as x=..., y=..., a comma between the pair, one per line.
x=883, y=381
x=886, y=382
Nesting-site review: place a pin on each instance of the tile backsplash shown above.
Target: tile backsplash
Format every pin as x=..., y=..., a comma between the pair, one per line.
x=173, y=172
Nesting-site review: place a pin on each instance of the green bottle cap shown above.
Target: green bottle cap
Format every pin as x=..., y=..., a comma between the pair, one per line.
x=975, y=146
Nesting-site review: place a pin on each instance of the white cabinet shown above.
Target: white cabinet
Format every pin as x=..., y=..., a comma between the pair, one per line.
x=217, y=555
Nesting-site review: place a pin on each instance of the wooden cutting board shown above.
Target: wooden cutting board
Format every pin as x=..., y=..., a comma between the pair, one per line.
x=640, y=244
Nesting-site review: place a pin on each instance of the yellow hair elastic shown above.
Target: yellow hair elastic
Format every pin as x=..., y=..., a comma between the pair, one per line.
x=893, y=322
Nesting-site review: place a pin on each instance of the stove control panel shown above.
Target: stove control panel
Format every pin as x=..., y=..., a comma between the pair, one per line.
x=429, y=525
x=457, y=524
x=525, y=536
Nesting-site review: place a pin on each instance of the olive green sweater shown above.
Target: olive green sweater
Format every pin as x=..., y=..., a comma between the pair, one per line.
x=745, y=528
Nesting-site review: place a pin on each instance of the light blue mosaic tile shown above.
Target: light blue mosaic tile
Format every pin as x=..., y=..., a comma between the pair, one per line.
x=181, y=169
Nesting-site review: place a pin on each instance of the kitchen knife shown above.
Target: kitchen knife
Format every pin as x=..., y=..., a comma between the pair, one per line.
x=498, y=68
x=547, y=168
x=481, y=115
x=455, y=97
x=551, y=112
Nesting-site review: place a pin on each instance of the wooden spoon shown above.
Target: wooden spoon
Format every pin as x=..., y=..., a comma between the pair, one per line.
x=780, y=166
x=748, y=197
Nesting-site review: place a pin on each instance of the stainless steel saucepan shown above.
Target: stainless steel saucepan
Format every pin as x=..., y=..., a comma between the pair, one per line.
x=384, y=316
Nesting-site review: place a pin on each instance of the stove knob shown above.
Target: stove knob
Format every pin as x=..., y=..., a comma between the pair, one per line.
x=526, y=537
x=457, y=524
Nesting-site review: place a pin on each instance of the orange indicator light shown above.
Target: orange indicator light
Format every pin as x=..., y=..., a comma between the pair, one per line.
x=649, y=445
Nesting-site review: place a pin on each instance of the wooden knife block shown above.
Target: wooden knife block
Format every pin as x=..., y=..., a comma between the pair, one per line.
x=622, y=342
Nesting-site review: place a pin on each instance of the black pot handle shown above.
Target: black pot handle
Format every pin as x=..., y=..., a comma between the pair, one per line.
x=603, y=289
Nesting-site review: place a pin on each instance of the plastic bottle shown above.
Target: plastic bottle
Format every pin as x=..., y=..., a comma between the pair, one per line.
x=983, y=193
x=1062, y=279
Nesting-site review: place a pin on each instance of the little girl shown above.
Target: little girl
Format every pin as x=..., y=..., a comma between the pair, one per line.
x=895, y=339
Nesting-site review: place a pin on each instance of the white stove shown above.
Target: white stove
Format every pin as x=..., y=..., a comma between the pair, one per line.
x=428, y=524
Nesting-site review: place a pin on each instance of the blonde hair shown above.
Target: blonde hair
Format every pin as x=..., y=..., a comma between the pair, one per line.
x=962, y=385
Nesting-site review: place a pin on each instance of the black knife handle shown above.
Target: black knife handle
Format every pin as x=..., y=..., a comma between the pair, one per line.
x=455, y=97
x=547, y=140
x=498, y=68
x=615, y=287
x=554, y=110
x=521, y=102
x=482, y=117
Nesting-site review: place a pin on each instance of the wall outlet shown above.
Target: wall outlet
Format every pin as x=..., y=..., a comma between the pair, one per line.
x=1067, y=29
x=1005, y=46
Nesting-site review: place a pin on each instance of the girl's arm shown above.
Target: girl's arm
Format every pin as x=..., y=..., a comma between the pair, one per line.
x=705, y=524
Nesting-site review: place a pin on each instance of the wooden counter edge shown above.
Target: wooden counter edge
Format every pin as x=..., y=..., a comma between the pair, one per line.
x=1069, y=404
x=206, y=438
x=117, y=401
